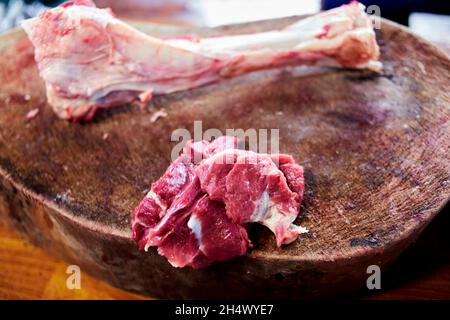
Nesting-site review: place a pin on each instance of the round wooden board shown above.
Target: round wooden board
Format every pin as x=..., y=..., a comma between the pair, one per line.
x=376, y=149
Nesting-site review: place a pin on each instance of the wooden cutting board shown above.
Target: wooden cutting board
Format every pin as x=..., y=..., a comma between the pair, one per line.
x=376, y=149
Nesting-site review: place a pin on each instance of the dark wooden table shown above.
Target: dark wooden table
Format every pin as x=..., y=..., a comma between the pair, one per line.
x=27, y=272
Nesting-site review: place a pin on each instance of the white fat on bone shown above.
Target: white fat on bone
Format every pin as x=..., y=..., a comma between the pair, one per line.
x=89, y=59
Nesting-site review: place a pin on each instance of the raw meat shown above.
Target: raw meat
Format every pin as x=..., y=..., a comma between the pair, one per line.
x=89, y=59
x=198, y=211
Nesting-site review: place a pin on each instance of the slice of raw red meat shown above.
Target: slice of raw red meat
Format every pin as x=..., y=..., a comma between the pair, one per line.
x=254, y=189
x=196, y=212
x=218, y=237
x=213, y=172
x=203, y=149
x=177, y=178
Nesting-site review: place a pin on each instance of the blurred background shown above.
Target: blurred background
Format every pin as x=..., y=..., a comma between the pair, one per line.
x=219, y=12
x=429, y=18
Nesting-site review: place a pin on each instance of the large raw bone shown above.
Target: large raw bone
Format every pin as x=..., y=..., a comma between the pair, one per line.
x=89, y=59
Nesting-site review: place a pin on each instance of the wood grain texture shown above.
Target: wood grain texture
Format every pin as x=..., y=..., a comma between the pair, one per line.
x=375, y=149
